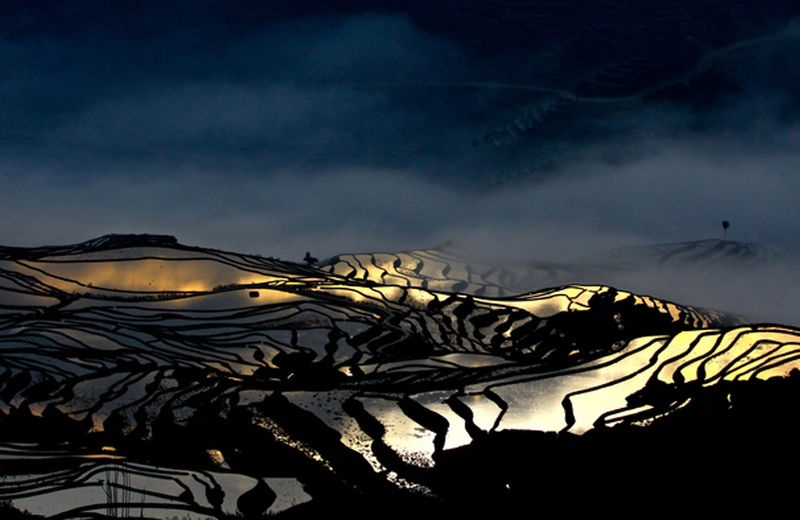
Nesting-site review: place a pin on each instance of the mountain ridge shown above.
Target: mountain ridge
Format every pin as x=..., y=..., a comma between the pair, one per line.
x=253, y=382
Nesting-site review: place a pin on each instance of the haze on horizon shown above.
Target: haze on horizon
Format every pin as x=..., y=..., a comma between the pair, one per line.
x=281, y=127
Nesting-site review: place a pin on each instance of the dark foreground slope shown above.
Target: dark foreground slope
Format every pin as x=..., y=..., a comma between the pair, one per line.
x=141, y=377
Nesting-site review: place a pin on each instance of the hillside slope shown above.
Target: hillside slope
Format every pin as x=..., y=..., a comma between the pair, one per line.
x=139, y=373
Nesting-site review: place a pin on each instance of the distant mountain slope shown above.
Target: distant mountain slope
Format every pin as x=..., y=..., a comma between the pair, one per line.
x=651, y=268
x=446, y=269
x=177, y=379
x=700, y=254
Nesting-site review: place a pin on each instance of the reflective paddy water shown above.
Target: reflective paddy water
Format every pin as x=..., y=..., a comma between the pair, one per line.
x=165, y=381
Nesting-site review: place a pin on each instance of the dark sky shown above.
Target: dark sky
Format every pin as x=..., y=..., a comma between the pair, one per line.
x=534, y=128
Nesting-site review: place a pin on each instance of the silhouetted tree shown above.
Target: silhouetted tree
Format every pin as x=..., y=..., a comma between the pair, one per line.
x=725, y=226
x=310, y=260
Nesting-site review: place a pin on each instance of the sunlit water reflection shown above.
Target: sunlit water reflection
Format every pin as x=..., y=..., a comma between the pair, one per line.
x=169, y=381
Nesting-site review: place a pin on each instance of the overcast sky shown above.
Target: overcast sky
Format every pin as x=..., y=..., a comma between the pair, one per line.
x=279, y=127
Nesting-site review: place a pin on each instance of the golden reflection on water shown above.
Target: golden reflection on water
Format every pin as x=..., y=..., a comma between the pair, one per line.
x=599, y=390
x=574, y=399
x=548, y=303
x=233, y=299
x=146, y=275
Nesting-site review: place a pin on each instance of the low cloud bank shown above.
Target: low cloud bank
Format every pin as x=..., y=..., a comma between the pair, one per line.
x=362, y=132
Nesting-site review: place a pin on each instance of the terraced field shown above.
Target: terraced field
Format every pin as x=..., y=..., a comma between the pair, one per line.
x=144, y=377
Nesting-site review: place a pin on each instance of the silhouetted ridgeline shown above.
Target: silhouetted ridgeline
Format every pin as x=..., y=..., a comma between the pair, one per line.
x=142, y=377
